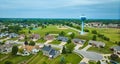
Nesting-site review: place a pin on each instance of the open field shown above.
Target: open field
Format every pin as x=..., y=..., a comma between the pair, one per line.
x=69, y=58
x=112, y=33
x=52, y=29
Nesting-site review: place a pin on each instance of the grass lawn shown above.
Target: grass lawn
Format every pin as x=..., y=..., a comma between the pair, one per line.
x=16, y=59
x=112, y=33
x=2, y=55
x=52, y=29
x=41, y=41
x=13, y=38
x=69, y=58
x=55, y=42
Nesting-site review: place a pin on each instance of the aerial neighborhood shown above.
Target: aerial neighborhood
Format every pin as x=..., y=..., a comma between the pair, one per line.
x=37, y=41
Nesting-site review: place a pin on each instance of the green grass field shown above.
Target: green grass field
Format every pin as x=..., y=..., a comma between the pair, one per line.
x=69, y=58
x=49, y=29
x=16, y=59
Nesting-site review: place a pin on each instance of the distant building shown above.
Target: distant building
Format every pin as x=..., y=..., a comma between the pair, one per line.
x=113, y=25
x=94, y=24
x=96, y=43
x=50, y=52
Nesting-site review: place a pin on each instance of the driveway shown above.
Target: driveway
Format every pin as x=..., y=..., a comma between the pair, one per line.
x=78, y=46
x=88, y=46
x=62, y=43
x=48, y=41
x=90, y=55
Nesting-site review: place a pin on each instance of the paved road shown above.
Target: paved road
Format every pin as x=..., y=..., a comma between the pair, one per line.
x=90, y=55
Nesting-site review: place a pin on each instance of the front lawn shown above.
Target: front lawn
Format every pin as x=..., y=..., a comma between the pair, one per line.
x=55, y=42
x=69, y=58
x=41, y=41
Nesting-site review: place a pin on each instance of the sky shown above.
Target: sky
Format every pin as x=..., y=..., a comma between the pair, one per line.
x=92, y=9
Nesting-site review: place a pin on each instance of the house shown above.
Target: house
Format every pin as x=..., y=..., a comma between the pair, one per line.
x=21, y=37
x=50, y=52
x=3, y=35
x=35, y=36
x=6, y=48
x=62, y=38
x=78, y=41
x=30, y=49
x=116, y=49
x=13, y=35
x=49, y=37
x=96, y=43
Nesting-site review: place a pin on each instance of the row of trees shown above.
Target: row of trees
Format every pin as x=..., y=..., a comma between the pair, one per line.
x=99, y=35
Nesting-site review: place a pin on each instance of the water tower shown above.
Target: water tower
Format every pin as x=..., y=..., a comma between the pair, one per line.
x=83, y=18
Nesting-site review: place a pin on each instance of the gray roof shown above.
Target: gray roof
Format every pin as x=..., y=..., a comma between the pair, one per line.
x=47, y=48
x=76, y=40
x=62, y=38
x=116, y=48
x=50, y=50
x=97, y=43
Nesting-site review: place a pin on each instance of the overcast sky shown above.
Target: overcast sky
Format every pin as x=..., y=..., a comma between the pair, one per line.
x=94, y=9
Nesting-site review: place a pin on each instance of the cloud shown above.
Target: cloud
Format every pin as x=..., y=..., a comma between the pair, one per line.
x=59, y=8
x=45, y=4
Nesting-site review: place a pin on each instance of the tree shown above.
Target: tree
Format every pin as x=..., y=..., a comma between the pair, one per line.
x=119, y=43
x=14, y=50
x=29, y=32
x=8, y=62
x=32, y=43
x=94, y=31
x=63, y=50
x=98, y=62
x=94, y=37
x=62, y=33
x=69, y=41
x=44, y=62
x=30, y=28
x=114, y=56
x=26, y=42
x=62, y=60
x=72, y=35
x=86, y=30
x=70, y=47
x=26, y=37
